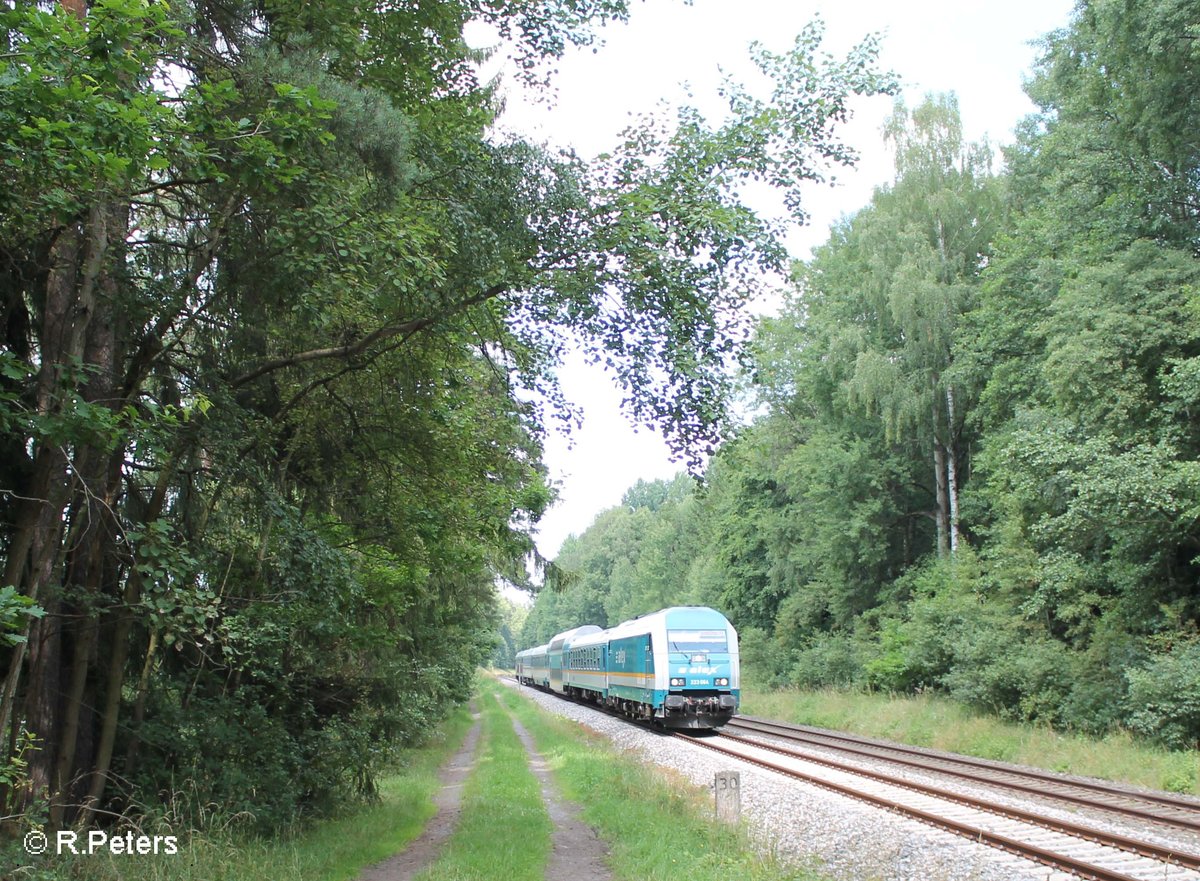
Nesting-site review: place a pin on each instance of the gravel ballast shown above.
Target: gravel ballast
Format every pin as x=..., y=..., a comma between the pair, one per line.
x=840, y=837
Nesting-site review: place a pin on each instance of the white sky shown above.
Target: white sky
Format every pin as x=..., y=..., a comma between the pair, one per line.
x=979, y=50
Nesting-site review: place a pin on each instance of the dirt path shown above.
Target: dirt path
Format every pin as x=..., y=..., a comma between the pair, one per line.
x=426, y=847
x=577, y=854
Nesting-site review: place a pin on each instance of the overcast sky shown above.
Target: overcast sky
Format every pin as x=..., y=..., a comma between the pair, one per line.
x=980, y=50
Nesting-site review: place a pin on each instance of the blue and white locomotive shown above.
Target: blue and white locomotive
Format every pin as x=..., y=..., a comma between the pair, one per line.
x=677, y=668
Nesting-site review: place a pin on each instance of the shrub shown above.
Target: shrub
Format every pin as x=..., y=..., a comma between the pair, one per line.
x=763, y=658
x=1166, y=696
x=832, y=659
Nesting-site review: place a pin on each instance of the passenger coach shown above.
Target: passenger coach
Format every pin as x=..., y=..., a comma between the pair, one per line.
x=533, y=667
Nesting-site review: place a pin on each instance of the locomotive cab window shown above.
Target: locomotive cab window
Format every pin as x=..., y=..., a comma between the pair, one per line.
x=697, y=640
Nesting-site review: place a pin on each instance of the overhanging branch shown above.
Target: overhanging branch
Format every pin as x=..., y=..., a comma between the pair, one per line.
x=357, y=347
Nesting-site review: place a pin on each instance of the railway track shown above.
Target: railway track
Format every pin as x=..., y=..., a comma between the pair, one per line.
x=1164, y=808
x=1169, y=851
x=1082, y=850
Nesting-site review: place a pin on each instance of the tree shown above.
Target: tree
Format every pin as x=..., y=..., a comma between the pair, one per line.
x=633, y=559
x=1032, y=336
x=1083, y=348
x=274, y=302
x=922, y=247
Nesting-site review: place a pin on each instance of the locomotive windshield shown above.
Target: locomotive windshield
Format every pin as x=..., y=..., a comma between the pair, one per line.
x=697, y=640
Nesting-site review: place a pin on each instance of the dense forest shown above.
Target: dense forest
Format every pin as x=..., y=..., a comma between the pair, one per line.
x=280, y=319
x=974, y=464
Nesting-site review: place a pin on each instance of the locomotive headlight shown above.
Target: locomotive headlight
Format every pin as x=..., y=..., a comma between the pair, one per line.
x=678, y=683
x=722, y=681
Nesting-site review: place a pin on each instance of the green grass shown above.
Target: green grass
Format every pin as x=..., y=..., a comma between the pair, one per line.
x=659, y=828
x=503, y=831
x=942, y=724
x=328, y=850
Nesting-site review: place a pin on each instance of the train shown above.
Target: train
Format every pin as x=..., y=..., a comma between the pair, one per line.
x=674, y=668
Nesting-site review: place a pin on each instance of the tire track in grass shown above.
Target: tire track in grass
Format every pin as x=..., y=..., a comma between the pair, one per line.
x=424, y=849
x=504, y=830
x=577, y=852
x=656, y=825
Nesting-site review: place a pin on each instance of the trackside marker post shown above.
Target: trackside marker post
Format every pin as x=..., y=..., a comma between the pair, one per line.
x=727, y=790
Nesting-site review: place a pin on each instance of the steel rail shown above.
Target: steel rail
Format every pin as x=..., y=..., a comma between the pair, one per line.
x=872, y=751
x=1163, y=798
x=977, y=833
x=1099, y=836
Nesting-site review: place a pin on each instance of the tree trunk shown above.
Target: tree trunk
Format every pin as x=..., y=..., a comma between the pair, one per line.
x=941, y=513
x=93, y=531
x=139, y=707
x=120, y=654
x=36, y=545
x=68, y=336
x=55, y=351
x=44, y=685
x=112, y=697
x=952, y=472
x=84, y=638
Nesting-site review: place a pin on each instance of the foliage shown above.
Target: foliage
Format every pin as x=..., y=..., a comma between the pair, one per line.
x=326, y=849
x=1165, y=697
x=625, y=564
x=973, y=467
x=15, y=609
x=512, y=620
x=281, y=314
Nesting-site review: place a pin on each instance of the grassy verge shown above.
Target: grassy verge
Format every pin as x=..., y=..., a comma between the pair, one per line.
x=329, y=850
x=943, y=724
x=503, y=830
x=658, y=828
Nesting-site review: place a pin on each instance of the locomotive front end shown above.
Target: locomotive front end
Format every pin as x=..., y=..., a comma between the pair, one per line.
x=701, y=650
